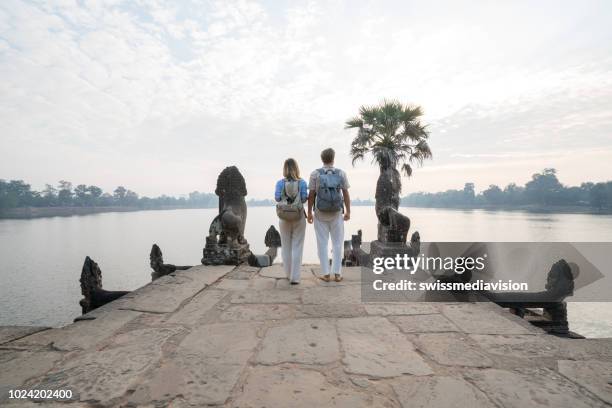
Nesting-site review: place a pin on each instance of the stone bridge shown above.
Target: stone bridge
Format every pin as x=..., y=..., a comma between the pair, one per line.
x=243, y=337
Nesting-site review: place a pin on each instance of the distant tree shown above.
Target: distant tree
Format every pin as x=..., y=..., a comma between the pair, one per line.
x=493, y=195
x=513, y=194
x=49, y=195
x=119, y=194
x=81, y=195
x=64, y=195
x=543, y=188
x=131, y=198
x=94, y=195
x=600, y=195
x=469, y=194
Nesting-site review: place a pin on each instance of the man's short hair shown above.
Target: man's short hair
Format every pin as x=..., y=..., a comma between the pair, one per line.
x=328, y=155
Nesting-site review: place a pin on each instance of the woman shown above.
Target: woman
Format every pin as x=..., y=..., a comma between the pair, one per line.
x=291, y=193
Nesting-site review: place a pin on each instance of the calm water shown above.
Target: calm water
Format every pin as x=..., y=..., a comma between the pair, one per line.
x=41, y=259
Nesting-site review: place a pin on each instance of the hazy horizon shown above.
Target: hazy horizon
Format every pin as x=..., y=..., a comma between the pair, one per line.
x=160, y=96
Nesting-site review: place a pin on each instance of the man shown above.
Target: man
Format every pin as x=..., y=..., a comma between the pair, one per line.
x=330, y=197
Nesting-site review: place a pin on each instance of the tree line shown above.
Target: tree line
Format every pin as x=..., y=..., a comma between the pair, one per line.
x=543, y=190
x=17, y=193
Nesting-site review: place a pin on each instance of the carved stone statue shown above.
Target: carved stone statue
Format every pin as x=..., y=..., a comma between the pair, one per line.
x=388, y=189
x=225, y=243
x=352, y=250
x=393, y=226
x=91, y=287
x=159, y=267
x=559, y=285
x=273, y=242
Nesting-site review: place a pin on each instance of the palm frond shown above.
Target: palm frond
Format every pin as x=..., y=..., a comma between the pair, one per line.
x=392, y=133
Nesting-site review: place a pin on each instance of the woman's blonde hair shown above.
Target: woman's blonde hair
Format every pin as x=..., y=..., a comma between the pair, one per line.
x=291, y=170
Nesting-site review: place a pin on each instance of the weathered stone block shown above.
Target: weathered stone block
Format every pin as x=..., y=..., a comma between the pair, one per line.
x=280, y=387
x=83, y=334
x=306, y=341
x=204, y=368
x=394, y=309
x=258, y=312
x=192, y=312
x=10, y=333
x=529, y=388
x=166, y=294
x=452, y=349
x=291, y=295
x=432, y=323
x=594, y=375
x=438, y=392
x=373, y=346
x=104, y=376
x=479, y=318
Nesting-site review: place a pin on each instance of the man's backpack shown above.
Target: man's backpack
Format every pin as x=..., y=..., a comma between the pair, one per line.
x=290, y=207
x=329, y=195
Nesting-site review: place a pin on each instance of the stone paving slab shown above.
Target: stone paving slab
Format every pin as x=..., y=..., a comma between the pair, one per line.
x=275, y=271
x=306, y=341
x=261, y=283
x=394, y=309
x=530, y=388
x=290, y=295
x=432, y=323
x=204, y=368
x=166, y=294
x=104, y=376
x=282, y=387
x=439, y=392
x=333, y=295
x=331, y=310
x=234, y=284
x=375, y=347
x=481, y=318
x=242, y=313
x=452, y=349
x=518, y=346
x=16, y=367
x=81, y=335
x=195, y=309
x=10, y=333
x=594, y=375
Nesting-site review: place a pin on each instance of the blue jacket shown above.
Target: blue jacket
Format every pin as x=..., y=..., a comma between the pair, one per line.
x=280, y=185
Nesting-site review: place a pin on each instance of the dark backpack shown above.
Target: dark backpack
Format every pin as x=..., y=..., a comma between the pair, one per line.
x=329, y=195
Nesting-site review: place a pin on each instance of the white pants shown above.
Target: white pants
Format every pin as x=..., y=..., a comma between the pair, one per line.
x=326, y=226
x=292, y=246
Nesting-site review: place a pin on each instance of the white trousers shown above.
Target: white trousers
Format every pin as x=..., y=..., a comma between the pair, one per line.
x=292, y=246
x=326, y=227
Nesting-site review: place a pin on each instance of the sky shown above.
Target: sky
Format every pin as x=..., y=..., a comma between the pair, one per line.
x=160, y=96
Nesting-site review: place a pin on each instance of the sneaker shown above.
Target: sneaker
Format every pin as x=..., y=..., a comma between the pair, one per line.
x=338, y=278
x=324, y=278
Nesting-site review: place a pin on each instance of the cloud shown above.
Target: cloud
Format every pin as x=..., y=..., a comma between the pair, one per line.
x=160, y=95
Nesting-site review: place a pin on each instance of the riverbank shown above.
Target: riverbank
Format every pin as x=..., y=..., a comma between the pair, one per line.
x=536, y=209
x=243, y=336
x=41, y=212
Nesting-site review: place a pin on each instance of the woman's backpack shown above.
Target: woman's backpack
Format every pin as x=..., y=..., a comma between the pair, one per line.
x=290, y=206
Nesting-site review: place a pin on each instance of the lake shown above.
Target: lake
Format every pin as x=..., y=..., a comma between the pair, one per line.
x=41, y=259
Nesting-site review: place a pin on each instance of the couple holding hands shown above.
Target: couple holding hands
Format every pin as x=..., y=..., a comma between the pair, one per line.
x=326, y=193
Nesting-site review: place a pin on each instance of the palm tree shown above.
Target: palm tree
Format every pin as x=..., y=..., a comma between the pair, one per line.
x=394, y=136
x=393, y=133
